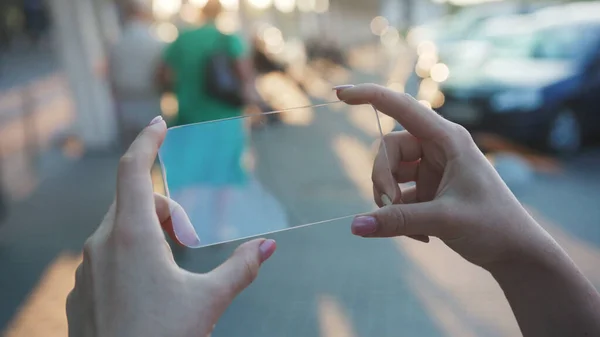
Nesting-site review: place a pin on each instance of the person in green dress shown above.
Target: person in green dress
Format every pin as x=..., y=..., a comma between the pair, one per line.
x=206, y=157
x=185, y=63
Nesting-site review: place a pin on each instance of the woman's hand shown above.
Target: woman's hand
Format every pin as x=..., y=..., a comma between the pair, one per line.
x=458, y=196
x=129, y=284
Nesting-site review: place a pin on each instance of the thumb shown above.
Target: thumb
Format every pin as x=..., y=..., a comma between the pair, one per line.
x=405, y=219
x=237, y=273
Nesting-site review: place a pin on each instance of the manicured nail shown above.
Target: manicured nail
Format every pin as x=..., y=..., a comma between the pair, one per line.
x=156, y=120
x=182, y=228
x=190, y=240
x=267, y=248
x=386, y=200
x=343, y=86
x=364, y=225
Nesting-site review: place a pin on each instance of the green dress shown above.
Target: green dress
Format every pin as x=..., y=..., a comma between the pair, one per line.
x=207, y=154
x=187, y=57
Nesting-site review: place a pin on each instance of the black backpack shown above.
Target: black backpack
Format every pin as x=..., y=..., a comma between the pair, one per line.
x=222, y=80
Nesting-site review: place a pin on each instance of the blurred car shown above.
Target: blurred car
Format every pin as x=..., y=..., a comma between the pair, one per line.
x=458, y=35
x=444, y=33
x=536, y=83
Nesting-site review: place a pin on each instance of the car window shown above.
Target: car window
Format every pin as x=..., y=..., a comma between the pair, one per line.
x=563, y=43
x=568, y=43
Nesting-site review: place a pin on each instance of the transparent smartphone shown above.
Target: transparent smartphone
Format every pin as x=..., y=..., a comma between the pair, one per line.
x=244, y=177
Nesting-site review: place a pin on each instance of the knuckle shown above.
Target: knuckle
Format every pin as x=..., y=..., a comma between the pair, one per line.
x=399, y=218
x=388, y=138
x=461, y=134
x=71, y=300
x=89, y=251
x=217, y=287
x=89, y=247
x=79, y=273
x=128, y=162
x=380, y=95
x=250, y=273
x=131, y=163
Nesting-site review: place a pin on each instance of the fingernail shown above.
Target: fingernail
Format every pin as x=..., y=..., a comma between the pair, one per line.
x=267, y=248
x=364, y=225
x=156, y=120
x=191, y=240
x=343, y=86
x=386, y=200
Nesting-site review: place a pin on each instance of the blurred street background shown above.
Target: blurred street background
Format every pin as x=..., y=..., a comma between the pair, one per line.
x=523, y=76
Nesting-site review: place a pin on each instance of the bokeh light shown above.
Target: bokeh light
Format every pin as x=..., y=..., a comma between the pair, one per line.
x=396, y=86
x=272, y=36
x=230, y=5
x=440, y=72
x=198, y=3
x=426, y=47
x=285, y=6
x=164, y=9
x=306, y=5
x=227, y=22
x=378, y=25
x=260, y=4
x=428, y=89
x=412, y=37
x=438, y=100
x=427, y=61
x=166, y=32
x=421, y=72
x=190, y=13
x=169, y=105
x=425, y=103
x=390, y=37
x=321, y=6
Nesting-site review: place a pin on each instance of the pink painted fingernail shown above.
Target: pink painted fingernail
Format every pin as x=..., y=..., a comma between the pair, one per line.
x=343, y=86
x=156, y=120
x=267, y=248
x=364, y=225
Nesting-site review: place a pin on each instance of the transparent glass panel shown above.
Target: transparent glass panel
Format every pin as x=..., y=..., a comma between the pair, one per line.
x=245, y=177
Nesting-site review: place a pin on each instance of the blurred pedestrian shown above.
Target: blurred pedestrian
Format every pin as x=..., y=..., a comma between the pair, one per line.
x=36, y=18
x=212, y=77
x=187, y=68
x=132, y=66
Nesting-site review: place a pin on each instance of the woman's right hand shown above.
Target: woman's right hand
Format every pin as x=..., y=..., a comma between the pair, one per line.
x=458, y=196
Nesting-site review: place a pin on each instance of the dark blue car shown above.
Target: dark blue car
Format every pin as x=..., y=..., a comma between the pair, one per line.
x=540, y=87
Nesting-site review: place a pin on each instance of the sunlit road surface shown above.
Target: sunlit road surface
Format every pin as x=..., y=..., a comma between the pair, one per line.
x=322, y=281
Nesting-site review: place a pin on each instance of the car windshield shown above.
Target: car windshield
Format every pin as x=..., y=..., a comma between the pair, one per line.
x=565, y=43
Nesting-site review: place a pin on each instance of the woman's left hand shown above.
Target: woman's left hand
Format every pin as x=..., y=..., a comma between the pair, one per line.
x=129, y=284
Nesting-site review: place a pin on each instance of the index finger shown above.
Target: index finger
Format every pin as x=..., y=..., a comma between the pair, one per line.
x=135, y=194
x=417, y=119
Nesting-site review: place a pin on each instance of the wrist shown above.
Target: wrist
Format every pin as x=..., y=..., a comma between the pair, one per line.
x=533, y=248
x=536, y=253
